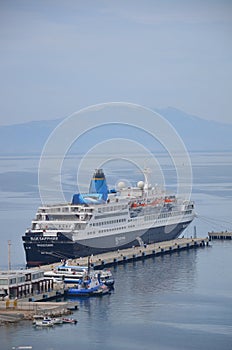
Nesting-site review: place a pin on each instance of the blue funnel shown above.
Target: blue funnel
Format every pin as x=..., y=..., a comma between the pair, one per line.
x=98, y=184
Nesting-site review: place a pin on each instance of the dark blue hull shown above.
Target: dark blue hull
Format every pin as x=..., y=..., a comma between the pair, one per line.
x=82, y=292
x=47, y=251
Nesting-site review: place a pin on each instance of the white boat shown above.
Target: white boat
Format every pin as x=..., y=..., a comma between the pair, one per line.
x=75, y=273
x=44, y=323
x=57, y=320
x=105, y=276
x=66, y=273
x=105, y=220
x=37, y=318
x=69, y=320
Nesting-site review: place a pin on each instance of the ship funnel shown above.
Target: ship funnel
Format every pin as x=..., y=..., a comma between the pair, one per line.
x=98, y=184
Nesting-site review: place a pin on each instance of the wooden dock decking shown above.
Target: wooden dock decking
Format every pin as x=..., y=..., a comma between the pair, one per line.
x=136, y=253
x=220, y=235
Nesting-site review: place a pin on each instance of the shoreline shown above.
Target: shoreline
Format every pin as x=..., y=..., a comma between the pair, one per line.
x=27, y=310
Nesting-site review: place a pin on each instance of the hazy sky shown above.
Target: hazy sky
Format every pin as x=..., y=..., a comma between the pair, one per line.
x=58, y=56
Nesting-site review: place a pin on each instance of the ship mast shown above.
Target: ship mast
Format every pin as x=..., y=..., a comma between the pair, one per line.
x=9, y=259
x=146, y=173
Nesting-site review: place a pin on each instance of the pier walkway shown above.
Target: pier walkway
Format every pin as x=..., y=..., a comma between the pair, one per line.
x=136, y=253
x=220, y=235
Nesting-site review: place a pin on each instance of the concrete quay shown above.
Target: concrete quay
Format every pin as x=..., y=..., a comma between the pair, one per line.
x=12, y=311
x=139, y=252
x=220, y=235
x=40, y=302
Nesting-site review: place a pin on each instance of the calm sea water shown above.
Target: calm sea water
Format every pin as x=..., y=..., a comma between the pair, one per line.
x=178, y=301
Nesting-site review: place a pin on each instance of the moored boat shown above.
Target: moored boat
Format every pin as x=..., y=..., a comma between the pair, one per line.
x=69, y=320
x=57, y=320
x=105, y=220
x=66, y=273
x=105, y=276
x=71, y=274
x=102, y=290
x=90, y=285
x=44, y=323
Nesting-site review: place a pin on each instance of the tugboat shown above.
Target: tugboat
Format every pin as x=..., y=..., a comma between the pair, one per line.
x=89, y=286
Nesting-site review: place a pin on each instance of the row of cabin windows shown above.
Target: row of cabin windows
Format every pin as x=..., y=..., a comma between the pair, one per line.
x=166, y=215
x=85, y=210
x=52, y=227
x=161, y=216
x=113, y=208
x=65, y=210
x=110, y=222
x=188, y=212
x=60, y=227
x=173, y=213
x=131, y=226
x=112, y=229
x=59, y=217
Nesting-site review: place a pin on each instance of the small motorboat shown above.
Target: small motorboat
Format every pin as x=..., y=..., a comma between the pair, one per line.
x=69, y=320
x=105, y=276
x=102, y=290
x=40, y=318
x=44, y=323
x=57, y=320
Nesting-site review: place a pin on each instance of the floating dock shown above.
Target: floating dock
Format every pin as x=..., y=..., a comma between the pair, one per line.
x=139, y=252
x=220, y=235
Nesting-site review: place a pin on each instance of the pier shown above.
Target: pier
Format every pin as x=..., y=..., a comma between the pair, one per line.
x=123, y=256
x=43, y=289
x=220, y=235
x=12, y=311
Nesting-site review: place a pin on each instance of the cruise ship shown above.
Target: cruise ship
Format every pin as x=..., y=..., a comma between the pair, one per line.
x=104, y=220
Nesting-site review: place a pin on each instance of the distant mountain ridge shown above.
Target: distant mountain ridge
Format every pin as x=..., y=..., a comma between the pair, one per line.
x=197, y=134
